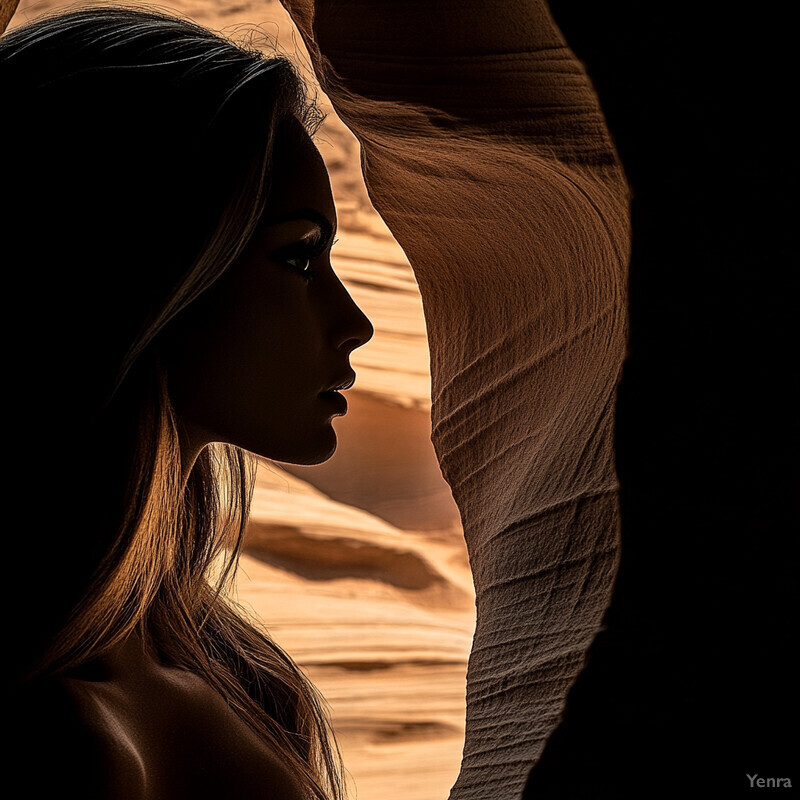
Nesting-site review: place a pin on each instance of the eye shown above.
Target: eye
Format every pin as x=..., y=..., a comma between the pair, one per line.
x=300, y=263
x=298, y=257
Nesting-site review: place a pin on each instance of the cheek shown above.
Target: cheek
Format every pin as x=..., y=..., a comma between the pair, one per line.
x=269, y=353
x=248, y=371
x=269, y=402
x=278, y=342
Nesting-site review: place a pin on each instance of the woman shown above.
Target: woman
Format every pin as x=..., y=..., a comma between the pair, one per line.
x=171, y=225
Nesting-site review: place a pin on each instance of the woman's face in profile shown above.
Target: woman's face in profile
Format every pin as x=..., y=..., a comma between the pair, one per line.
x=257, y=360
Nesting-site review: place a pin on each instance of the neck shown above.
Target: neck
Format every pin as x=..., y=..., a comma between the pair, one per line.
x=192, y=440
x=126, y=658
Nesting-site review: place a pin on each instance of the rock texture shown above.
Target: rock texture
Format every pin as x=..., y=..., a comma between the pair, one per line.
x=484, y=150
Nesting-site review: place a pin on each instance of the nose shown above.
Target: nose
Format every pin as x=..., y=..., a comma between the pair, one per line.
x=352, y=328
x=360, y=329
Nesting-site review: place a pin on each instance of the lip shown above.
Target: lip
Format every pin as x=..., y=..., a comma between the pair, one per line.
x=336, y=400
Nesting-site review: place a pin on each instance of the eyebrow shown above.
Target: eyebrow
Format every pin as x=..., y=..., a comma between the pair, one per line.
x=308, y=214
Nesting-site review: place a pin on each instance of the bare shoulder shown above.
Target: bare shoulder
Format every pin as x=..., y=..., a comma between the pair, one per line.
x=155, y=733
x=221, y=750
x=61, y=745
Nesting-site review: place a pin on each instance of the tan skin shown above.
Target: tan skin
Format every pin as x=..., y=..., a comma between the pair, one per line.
x=255, y=363
x=263, y=351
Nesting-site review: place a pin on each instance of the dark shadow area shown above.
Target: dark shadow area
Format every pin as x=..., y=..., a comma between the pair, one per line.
x=691, y=685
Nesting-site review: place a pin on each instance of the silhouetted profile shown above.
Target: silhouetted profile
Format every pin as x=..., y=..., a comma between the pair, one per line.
x=169, y=250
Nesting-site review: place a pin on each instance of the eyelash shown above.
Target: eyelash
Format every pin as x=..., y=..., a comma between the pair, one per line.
x=301, y=251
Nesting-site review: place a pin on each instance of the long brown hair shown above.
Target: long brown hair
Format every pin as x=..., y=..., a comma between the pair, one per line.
x=166, y=133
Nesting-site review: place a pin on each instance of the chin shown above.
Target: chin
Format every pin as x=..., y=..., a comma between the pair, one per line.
x=316, y=453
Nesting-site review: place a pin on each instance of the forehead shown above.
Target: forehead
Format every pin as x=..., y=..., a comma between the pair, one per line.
x=299, y=176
